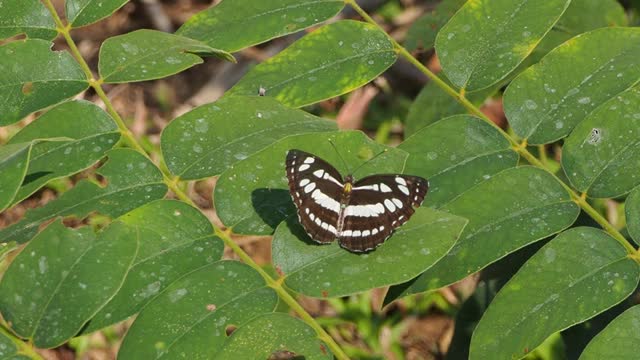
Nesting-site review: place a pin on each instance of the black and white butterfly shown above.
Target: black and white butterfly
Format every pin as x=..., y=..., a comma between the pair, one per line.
x=360, y=214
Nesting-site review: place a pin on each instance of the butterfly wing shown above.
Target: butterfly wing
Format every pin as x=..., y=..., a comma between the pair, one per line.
x=377, y=206
x=316, y=189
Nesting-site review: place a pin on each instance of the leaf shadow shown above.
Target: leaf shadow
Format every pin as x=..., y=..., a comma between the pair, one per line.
x=272, y=205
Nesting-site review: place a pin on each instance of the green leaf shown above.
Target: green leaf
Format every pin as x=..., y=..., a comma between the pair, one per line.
x=148, y=54
x=207, y=140
x=28, y=17
x=455, y=154
x=601, y=156
x=237, y=24
x=619, y=340
x=61, y=278
x=546, y=101
x=579, y=274
x=509, y=211
x=285, y=335
x=189, y=318
x=85, y=12
x=14, y=160
x=487, y=39
x=422, y=33
x=8, y=348
x=330, y=271
x=84, y=145
x=432, y=105
x=632, y=214
x=253, y=195
x=581, y=16
x=132, y=180
x=175, y=239
x=328, y=62
x=28, y=86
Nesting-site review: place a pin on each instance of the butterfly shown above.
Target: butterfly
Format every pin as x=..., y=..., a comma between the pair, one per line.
x=360, y=214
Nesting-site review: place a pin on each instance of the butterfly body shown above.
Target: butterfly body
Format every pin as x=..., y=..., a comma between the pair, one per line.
x=360, y=214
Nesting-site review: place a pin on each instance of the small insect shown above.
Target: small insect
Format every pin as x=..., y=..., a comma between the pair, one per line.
x=262, y=91
x=360, y=214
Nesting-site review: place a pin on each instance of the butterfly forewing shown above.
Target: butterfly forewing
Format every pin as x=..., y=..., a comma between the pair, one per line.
x=316, y=188
x=377, y=206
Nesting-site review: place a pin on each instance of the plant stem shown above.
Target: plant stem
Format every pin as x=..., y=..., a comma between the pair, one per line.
x=520, y=148
x=24, y=348
x=172, y=183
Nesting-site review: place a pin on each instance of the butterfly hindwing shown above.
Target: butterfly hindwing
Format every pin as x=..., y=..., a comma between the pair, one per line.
x=316, y=188
x=377, y=206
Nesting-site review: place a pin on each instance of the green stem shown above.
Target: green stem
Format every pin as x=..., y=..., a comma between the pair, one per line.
x=24, y=348
x=172, y=183
x=520, y=148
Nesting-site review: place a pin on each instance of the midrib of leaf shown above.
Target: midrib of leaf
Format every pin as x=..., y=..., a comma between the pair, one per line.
x=550, y=113
x=470, y=159
x=73, y=142
x=608, y=164
x=181, y=50
x=43, y=81
x=329, y=64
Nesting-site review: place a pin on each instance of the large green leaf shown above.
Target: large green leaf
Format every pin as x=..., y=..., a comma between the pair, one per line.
x=511, y=210
x=286, y=335
x=61, y=278
x=27, y=85
x=253, y=195
x=546, y=101
x=150, y=54
x=619, y=340
x=210, y=138
x=455, y=154
x=189, y=318
x=236, y=24
x=132, y=180
x=85, y=12
x=28, y=17
x=330, y=271
x=14, y=160
x=175, y=239
x=602, y=155
x=487, y=39
x=632, y=213
x=328, y=62
x=579, y=274
x=422, y=33
x=433, y=104
x=84, y=145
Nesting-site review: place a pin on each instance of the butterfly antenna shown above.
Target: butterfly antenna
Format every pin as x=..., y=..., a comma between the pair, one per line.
x=346, y=166
x=368, y=161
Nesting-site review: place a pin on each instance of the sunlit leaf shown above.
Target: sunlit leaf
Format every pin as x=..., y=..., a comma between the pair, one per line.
x=190, y=317
x=61, y=278
x=581, y=273
x=175, y=239
x=545, y=102
x=330, y=271
x=28, y=86
x=487, y=39
x=286, y=335
x=14, y=160
x=455, y=154
x=253, y=195
x=82, y=147
x=236, y=24
x=210, y=138
x=602, y=155
x=150, y=54
x=132, y=180
x=328, y=62
x=28, y=17
x=85, y=12
x=422, y=33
